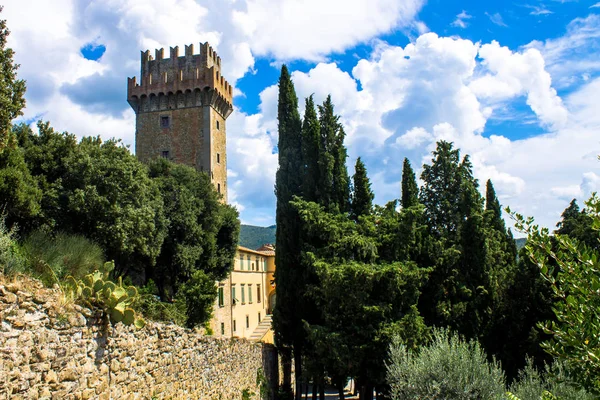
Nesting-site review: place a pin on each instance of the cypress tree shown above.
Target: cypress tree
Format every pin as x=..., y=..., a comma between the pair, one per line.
x=440, y=193
x=362, y=198
x=341, y=180
x=287, y=257
x=329, y=126
x=311, y=137
x=493, y=205
x=410, y=190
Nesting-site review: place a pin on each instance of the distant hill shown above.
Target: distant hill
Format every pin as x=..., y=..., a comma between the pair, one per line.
x=255, y=236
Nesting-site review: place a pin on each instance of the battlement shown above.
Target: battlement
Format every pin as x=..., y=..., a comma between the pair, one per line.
x=190, y=72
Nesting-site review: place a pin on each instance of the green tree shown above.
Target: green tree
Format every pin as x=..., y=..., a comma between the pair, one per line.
x=12, y=90
x=578, y=225
x=362, y=197
x=329, y=126
x=341, y=180
x=201, y=231
x=440, y=193
x=288, y=184
x=311, y=150
x=410, y=190
x=572, y=270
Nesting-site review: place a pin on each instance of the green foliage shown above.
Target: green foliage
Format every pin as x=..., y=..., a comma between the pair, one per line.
x=11, y=260
x=247, y=394
x=311, y=151
x=151, y=307
x=253, y=237
x=52, y=257
x=114, y=300
x=572, y=270
x=198, y=293
x=362, y=196
x=448, y=368
x=201, y=232
x=20, y=195
x=12, y=90
x=533, y=384
x=410, y=190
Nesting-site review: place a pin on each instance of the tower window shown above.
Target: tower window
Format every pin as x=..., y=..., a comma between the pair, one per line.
x=217, y=125
x=219, y=188
x=165, y=122
x=218, y=158
x=164, y=154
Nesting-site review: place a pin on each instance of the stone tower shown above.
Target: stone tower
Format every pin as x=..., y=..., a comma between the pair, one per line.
x=181, y=105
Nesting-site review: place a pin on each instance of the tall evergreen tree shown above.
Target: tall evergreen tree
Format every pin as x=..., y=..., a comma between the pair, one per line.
x=12, y=90
x=311, y=137
x=362, y=198
x=341, y=180
x=493, y=205
x=410, y=190
x=329, y=125
x=440, y=193
x=287, y=258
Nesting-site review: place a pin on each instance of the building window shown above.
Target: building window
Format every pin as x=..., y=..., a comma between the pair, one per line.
x=233, y=298
x=241, y=262
x=218, y=158
x=219, y=188
x=243, y=287
x=265, y=264
x=165, y=122
x=164, y=154
x=222, y=328
x=234, y=327
x=252, y=266
x=221, y=299
x=248, y=259
x=247, y=321
x=258, y=294
x=217, y=125
x=259, y=318
x=249, y=293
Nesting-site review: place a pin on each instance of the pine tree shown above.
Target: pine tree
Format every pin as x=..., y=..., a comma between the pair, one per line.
x=362, y=198
x=12, y=90
x=311, y=137
x=410, y=190
x=287, y=257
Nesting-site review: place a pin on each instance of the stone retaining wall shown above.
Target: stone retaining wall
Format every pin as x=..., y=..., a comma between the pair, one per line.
x=53, y=350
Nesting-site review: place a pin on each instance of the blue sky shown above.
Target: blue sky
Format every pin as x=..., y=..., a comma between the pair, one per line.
x=514, y=84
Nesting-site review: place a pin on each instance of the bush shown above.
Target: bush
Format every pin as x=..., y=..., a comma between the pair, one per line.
x=532, y=384
x=11, y=260
x=150, y=305
x=52, y=258
x=448, y=368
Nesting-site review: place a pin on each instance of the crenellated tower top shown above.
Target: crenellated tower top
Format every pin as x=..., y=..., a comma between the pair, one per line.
x=190, y=73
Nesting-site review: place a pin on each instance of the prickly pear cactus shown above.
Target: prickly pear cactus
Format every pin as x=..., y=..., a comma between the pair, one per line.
x=115, y=300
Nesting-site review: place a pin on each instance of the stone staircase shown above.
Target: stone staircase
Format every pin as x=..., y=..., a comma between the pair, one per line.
x=261, y=329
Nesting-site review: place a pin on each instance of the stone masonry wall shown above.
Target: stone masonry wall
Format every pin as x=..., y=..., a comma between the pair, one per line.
x=50, y=349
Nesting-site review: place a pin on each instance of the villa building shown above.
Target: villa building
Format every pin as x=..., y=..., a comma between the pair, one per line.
x=245, y=299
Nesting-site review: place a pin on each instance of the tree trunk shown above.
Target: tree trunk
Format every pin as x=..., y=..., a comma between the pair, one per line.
x=298, y=372
x=286, y=364
x=314, y=388
x=340, y=386
x=366, y=392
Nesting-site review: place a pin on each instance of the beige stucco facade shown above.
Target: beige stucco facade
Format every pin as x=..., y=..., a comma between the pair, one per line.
x=246, y=297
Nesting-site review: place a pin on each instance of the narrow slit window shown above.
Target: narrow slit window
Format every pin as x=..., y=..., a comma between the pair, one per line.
x=218, y=125
x=218, y=158
x=165, y=154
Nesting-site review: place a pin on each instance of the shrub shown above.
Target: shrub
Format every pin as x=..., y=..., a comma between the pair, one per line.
x=11, y=260
x=150, y=305
x=448, y=368
x=51, y=258
x=531, y=384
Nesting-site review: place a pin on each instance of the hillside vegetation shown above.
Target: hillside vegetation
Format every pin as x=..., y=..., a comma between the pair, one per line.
x=253, y=237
